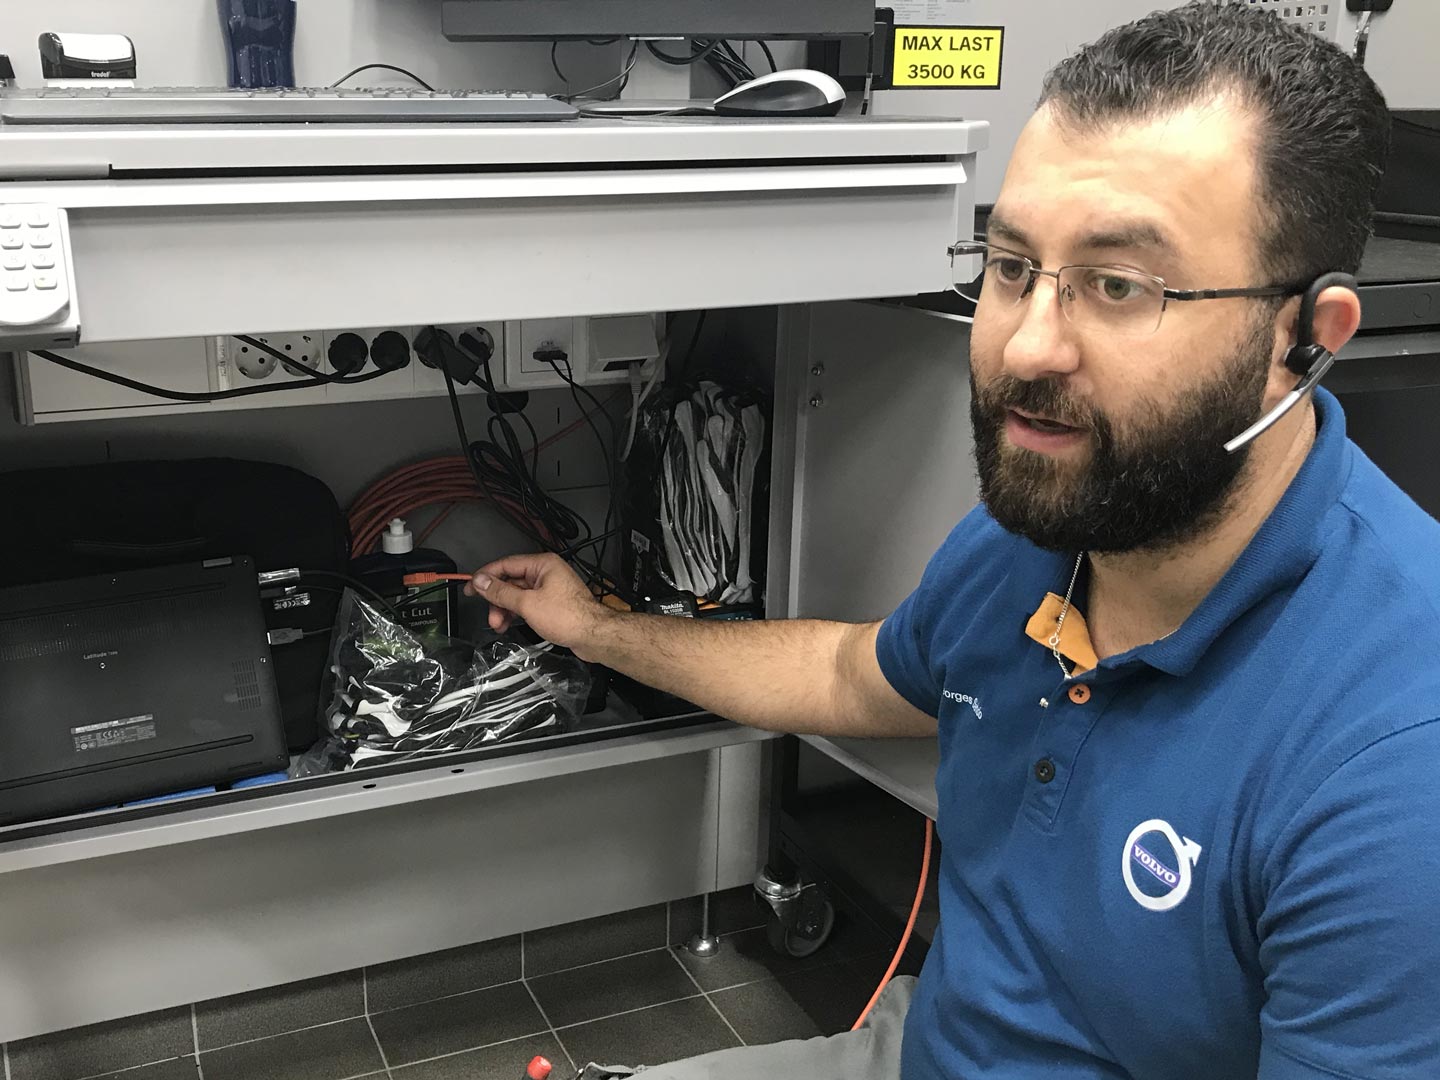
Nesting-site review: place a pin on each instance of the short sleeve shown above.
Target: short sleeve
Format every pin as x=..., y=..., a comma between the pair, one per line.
x=905, y=647
x=903, y=650
x=1349, y=934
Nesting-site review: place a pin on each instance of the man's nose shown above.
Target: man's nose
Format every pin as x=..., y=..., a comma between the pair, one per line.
x=1044, y=344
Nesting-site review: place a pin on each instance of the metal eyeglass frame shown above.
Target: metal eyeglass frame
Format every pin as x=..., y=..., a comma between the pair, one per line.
x=982, y=247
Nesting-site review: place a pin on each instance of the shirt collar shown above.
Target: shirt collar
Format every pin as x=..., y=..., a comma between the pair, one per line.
x=1278, y=556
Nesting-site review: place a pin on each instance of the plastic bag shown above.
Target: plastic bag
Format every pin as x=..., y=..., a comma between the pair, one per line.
x=395, y=697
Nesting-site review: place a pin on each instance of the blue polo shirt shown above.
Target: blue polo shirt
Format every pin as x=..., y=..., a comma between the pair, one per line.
x=1213, y=856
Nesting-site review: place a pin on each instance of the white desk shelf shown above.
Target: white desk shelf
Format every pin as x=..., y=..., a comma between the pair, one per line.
x=187, y=233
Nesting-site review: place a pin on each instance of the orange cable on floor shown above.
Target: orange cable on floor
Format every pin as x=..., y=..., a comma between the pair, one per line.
x=909, y=926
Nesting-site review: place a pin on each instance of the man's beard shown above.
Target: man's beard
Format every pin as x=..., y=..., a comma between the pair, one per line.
x=1164, y=481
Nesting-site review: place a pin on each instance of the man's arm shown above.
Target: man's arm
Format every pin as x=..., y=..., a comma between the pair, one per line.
x=803, y=676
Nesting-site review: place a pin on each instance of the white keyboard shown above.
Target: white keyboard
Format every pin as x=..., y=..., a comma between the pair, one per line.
x=197, y=105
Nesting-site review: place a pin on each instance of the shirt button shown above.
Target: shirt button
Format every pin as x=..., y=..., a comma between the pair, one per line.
x=1079, y=693
x=1044, y=770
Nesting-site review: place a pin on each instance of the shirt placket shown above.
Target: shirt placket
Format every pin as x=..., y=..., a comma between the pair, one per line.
x=1067, y=714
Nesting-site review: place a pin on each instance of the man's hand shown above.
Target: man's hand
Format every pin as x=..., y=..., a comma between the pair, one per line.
x=546, y=593
x=797, y=675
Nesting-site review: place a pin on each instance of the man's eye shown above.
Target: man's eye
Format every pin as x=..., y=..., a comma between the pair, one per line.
x=1117, y=289
x=1011, y=271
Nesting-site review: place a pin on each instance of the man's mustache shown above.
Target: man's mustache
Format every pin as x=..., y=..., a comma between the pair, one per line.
x=1041, y=397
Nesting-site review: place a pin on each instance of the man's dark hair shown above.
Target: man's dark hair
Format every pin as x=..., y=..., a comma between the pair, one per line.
x=1324, y=131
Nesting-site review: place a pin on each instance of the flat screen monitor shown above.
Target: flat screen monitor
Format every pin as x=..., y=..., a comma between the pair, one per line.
x=518, y=20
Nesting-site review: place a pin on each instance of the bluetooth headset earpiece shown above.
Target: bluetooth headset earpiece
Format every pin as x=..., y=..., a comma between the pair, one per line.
x=1306, y=358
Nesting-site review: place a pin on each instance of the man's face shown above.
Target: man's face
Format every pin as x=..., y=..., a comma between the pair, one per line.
x=1088, y=439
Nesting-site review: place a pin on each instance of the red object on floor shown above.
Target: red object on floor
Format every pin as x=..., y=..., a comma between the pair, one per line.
x=538, y=1069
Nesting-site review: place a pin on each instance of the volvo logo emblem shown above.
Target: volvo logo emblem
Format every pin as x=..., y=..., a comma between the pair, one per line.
x=1163, y=859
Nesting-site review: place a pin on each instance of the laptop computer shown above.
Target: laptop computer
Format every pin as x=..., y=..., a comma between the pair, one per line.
x=123, y=686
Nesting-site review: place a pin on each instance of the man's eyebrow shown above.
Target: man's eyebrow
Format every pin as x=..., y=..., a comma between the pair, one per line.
x=1123, y=235
x=997, y=228
x=1137, y=234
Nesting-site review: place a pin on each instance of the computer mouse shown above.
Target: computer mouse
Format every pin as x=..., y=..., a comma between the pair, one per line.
x=795, y=92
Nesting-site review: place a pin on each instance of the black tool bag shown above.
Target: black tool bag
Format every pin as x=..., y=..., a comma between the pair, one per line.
x=95, y=519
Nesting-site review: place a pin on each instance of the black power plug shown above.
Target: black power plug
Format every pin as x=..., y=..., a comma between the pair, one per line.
x=390, y=350
x=437, y=349
x=480, y=345
x=347, y=353
x=1368, y=5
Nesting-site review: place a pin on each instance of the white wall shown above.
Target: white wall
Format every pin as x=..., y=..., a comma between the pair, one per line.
x=179, y=43
x=1039, y=33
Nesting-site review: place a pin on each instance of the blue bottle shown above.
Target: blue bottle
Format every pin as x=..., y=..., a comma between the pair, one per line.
x=260, y=41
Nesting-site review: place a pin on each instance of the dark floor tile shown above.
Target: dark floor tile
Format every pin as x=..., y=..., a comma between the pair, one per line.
x=506, y=1061
x=680, y=1029
x=331, y=1052
x=174, y=1069
x=799, y=1006
x=440, y=974
x=592, y=940
x=276, y=1010
x=632, y=982
x=458, y=1023
x=731, y=911
x=119, y=1044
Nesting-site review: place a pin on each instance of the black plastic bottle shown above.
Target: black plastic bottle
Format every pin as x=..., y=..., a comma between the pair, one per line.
x=426, y=610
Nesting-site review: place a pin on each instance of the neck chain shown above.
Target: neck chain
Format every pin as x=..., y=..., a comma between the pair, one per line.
x=1065, y=610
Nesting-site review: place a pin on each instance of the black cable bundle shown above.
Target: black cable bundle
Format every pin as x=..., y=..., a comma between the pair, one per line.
x=499, y=465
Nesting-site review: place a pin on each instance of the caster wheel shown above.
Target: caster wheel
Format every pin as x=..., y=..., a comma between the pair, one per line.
x=795, y=942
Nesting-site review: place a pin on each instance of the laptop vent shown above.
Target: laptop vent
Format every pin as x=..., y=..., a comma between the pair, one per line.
x=247, y=685
x=100, y=629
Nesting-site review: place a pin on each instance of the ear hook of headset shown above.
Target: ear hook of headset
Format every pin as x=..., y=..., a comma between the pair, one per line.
x=1306, y=358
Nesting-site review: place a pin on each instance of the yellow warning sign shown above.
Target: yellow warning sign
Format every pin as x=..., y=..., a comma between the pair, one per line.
x=948, y=57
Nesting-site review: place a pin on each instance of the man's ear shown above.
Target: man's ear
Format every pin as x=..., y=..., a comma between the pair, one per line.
x=1337, y=317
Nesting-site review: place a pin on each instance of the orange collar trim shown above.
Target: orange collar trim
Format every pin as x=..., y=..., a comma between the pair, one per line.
x=1075, y=643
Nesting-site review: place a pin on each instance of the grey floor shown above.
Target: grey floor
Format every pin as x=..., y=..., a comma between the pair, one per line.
x=615, y=989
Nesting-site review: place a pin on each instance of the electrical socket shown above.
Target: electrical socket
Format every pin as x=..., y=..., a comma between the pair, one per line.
x=234, y=364
x=397, y=383
x=430, y=382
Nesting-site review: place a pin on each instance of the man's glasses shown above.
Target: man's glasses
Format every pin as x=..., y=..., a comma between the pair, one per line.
x=1100, y=298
